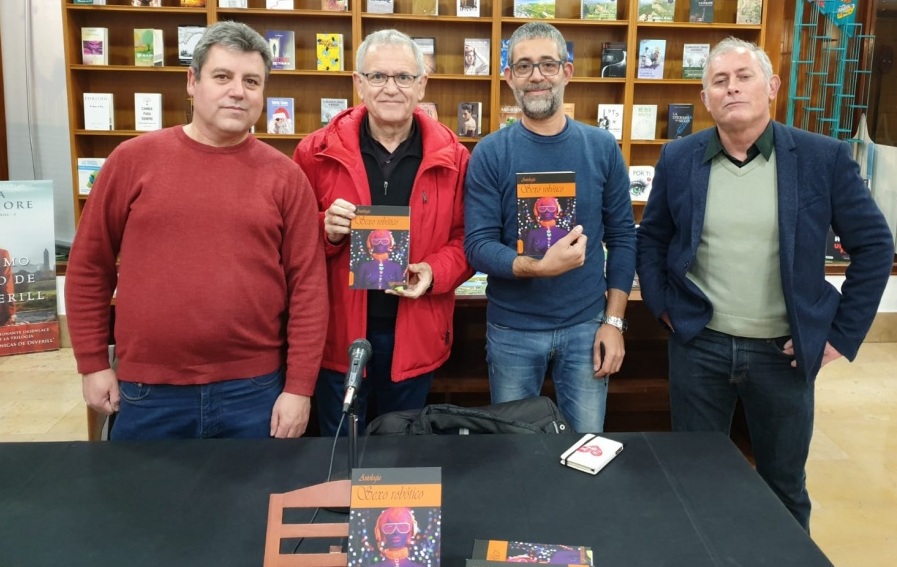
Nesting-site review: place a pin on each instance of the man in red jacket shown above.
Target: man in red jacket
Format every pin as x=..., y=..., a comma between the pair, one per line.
x=386, y=152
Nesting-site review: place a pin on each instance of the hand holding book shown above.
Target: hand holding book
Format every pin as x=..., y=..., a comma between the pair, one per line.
x=337, y=220
x=420, y=279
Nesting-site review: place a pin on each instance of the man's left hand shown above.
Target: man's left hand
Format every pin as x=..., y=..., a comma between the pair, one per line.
x=420, y=276
x=614, y=350
x=290, y=415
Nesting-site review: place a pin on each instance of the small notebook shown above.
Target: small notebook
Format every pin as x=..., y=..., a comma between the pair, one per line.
x=591, y=453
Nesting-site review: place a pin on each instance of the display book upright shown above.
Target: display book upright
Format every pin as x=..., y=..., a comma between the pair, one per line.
x=380, y=238
x=188, y=38
x=282, y=44
x=380, y=6
x=330, y=107
x=395, y=516
x=280, y=115
x=94, y=45
x=535, y=9
x=329, y=51
x=28, y=308
x=694, y=57
x=546, y=209
x=598, y=9
x=470, y=119
x=749, y=12
x=477, y=54
x=680, y=117
x=149, y=48
x=467, y=8
x=610, y=117
x=701, y=11
x=641, y=179
x=655, y=11
x=651, y=57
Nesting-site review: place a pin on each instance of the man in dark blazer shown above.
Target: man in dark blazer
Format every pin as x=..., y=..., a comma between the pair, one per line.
x=731, y=259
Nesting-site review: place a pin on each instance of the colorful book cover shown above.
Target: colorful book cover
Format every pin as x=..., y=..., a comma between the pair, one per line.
x=430, y=108
x=546, y=209
x=644, y=122
x=749, y=12
x=282, y=44
x=427, y=47
x=88, y=169
x=534, y=9
x=701, y=11
x=425, y=7
x=641, y=178
x=149, y=50
x=610, y=117
x=28, y=309
x=193, y=3
x=147, y=111
x=694, y=57
x=470, y=119
x=335, y=5
x=508, y=114
x=476, y=285
x=188, y=37
x=613, y=59
x=503, y=55
x=329, y=48
x=95, y=46
x=834, y=251
x=467, y=8
x=655, y=10
x=680, y=117
x=280, y=115
x=652, y=53
x=530, y=552
x=380, y=239
x=99, y=111
x=396, y=517
x=330, y=107
x=598, y=10
x=476, y=56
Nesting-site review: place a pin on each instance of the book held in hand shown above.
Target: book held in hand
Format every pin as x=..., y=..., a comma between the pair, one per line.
x=641, y=178
x=680, y=117
x=95, y=46
x=282, y=44
x=591, y=453
x=652, y=53
x=99, y=111
x=476, y=56
x=487, y=553
x=380, y=240
x=470, y=119
x=546, y=209
x=330, y=107
x=280, y=115
x=147, y=111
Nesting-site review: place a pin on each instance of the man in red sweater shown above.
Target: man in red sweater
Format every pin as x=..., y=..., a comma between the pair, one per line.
x=209, y=240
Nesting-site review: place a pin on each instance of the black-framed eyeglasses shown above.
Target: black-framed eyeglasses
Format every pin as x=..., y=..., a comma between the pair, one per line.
x=548, y=68
x=403, y=80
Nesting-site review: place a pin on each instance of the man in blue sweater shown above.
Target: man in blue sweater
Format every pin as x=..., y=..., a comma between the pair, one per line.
x=558, y=312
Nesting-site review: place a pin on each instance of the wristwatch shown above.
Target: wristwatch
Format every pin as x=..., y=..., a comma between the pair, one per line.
x=617, y=322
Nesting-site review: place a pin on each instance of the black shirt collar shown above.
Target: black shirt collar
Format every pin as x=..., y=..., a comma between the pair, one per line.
x=763, y=146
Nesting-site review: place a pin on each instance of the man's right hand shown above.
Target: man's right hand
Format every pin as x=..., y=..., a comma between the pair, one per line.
x=101, y=391
x=337, y=220
x=564, y=255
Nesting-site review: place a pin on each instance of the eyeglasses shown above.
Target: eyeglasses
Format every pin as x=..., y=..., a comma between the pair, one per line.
x=547, y=209
x=379, y=241
x=391, y=528
x=524, y=69
x=403, y=80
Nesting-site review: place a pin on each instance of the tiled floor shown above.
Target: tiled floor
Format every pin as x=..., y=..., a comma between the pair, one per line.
x=851, y=472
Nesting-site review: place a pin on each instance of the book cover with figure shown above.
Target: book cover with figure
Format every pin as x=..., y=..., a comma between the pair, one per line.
x=380, y=240
x=476, y=56
x=656, y=10
x=598, y=9
x=282, y=44
x=535, y=9
x=470, y=119
x=610, y=117
x=680, y=117
x=701, y=11
x=749, y=12
x=330, y=107
x=28, y=309
x=613, y=59
x=280, y=115
x=467, y=8
x=641, y=178
x=496, y=550
x=188, y=37
x=396, y=517
x=652, y=53
x=694, y=58
x=546, y=209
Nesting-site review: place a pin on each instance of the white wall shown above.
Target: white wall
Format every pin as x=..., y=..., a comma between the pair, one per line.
x=35, y=98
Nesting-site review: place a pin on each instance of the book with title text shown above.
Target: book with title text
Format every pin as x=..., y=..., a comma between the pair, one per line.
x=330, y=107
x=546, y=209
x=613, y=59
x=242, y=4
x=610, y=117
x=147, y=111
x=280, y=115
x=652, y=54
x=95, y=46
x=396, y=517
x=28, y=308
x=656, y=10
x=641, y=179
x=694, y=58
x=380, y=6
x=701, y=11
x=188, y=38
x=644, y=122
x=149, y=47
x=282, y=44
x=380, y=238
x=536, y=9
x=99, y=111
x=680, y=117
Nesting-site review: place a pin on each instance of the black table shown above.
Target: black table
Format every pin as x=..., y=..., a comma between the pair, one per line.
x=668, y=499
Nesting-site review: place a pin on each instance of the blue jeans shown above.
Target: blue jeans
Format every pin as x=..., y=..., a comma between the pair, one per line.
x=519, y=359
x=388, y=396
x=708, y=375
x=239, y=409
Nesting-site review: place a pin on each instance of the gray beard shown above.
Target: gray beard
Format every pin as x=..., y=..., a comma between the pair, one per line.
x=541, y=108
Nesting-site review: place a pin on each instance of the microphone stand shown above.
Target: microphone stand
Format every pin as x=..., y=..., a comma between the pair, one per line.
x=352, y=428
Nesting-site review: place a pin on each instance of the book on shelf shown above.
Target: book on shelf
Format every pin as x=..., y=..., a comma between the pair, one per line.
x=475, y=285
x=99, y=112
x=380, y=237
x=380, y=6
x=591, y=453
x=570, y=45
x=233, y=3
x=193, y=3
x=279, y=4
x=395, y=517
x=570, y=110
x=655, y=10
x=149, y=47
x=147, y=111
x=427, y=47
x=280, y=115
x=503, y=55
x=516, y=552
x=147, y=3
x=694, y=57
x=28, y=299
x=546, y=209
x=430, y=108
x=680, y=118
x=95, y=46
x=834, y=250
x=90, y=2
x=598, y=9
x=330, y=107
x=282, y=44
x=613, y=59
x=470, y=119
x=641, y=177
x=508, y=114
x=644, y=122
x=329, y=50
x=88, y=169
x=467, y=8
x=652, y=53
x=701, y=11
x=335, y=5
x=610, y=117
x=535, y=9
x=749, y=12
x=476, y=55
x=188, y=37
x=425, y=7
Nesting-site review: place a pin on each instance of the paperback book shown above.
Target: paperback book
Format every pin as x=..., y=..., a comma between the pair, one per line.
x=379, y=239
x=147, y=111
x=329, y=48
x=95, y=46
x=598, y=9
x=149, y=49
x=701, y=11
x=508, y=114
x=534, y=9
x=233, y=3
x=680, y=117
x=380, y=6
x=430, y=108
x=188, y=37
x=88, y=169
x=651, y=57
x=834, y=251
x=613, y=59
x=467, y=8
x=641, y=178
x=493, y=550
x=330, y=107
x=282, y=44
x=749, y=12
x=99, y=111
x=655, y=10
x=570, y=110
x=280, y=115
x=591, y=453
x=470, y=124
x=476, y=56
x=425, y=7
x=279, y=4
x=144, y=3
x=694, y=57
x=427, y=47
x=546, y=209
x=476, y=285
x=92, y=2
x=396, y=517
x=503, y=55
x=335, y=5
x=193, y=3
x=644, y=121
x=28, y=309
x=610, y=117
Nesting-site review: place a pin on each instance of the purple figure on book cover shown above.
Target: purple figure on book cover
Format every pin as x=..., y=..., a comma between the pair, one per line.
x=546, y=211
x=379, y=271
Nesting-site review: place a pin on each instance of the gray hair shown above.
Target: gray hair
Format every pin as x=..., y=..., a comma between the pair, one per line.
x=731, y=44
x=538, y=30
x=389, y=37
x=232, y=36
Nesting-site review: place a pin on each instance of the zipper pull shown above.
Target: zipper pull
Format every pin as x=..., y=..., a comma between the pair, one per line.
x=385, y=186
x=425, y=197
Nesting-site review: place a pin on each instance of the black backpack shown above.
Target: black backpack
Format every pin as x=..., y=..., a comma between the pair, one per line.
x=531, y=415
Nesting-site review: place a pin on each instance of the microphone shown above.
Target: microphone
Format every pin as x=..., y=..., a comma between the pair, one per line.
x=359, y=354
